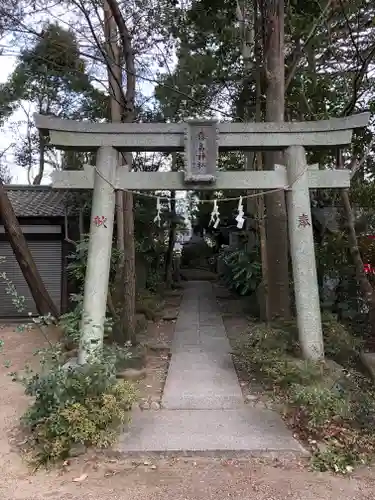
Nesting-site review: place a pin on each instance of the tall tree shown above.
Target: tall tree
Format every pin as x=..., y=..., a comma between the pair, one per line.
x=50, y=76
x=127, y=270
x=11, y=15
x=276, y=221
x=4, y=170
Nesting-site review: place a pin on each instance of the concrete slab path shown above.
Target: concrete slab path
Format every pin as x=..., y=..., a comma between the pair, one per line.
x=203, y=407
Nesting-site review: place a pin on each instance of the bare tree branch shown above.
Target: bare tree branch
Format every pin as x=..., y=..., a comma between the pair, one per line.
x=128, y=56
x=299, y=53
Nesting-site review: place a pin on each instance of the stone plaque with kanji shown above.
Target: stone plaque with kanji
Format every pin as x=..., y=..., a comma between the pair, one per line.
x=201, y=151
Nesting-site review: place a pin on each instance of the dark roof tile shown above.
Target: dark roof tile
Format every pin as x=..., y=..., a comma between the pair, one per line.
x=37, y=201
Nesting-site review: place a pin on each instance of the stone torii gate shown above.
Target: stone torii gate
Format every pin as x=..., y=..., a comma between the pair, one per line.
x=201, y=141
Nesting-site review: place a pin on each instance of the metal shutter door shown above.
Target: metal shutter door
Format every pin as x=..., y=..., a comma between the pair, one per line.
x=47, y=256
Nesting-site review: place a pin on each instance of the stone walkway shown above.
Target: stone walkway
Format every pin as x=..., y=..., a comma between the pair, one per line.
x=203, y=407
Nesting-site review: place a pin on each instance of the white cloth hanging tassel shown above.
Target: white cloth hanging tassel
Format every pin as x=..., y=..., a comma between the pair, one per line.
x=215, y=216
x=240, y=217
x=157, y=218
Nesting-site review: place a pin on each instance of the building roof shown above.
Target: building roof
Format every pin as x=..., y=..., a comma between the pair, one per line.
x=37, y=201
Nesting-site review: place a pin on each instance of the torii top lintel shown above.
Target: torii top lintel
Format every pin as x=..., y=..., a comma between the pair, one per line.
x=86, y=136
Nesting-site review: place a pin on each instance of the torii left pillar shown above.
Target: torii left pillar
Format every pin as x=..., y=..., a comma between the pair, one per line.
x=99, y=254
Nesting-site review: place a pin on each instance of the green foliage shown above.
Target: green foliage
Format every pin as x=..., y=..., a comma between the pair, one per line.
x=83, y=404
x=210, y=72
x=268, y=352
x=77, y=404
x=196, y=254
x=70, y=322
x=152, y=252
x=334, y=261
x=10, y=289
x=148, y=302
x=335, y=417
x=78, y=260
x=339, y=343
x=242, y=270
x=52, y=68
x=5, y=176
x=318, y=405
x=51, y=76
x=333, y=423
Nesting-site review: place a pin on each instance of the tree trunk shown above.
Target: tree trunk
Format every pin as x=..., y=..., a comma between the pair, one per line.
x=122, y=109
x=263, y=296
x=245, y=13
x=276, y=215
x=114, y=72
x=115, y=91
x=169, y=258
x=42, y=149
x=128, y=102
x=128, y=311
x=42, y=299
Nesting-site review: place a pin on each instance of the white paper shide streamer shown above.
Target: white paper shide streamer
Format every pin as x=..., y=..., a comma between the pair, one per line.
x=215, y=215
x=240, y=216
x=157, y=218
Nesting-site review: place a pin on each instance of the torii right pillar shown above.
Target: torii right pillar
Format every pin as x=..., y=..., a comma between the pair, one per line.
x=302, y=251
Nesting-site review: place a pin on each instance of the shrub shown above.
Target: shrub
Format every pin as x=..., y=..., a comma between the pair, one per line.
x=318, y=405
x=83, y=404
x=339, y=343
x=267, y=354
x=242, y=271
x=196, y=254
x=331, y=408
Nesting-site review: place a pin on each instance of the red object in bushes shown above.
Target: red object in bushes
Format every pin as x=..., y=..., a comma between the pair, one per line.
x=368, y=269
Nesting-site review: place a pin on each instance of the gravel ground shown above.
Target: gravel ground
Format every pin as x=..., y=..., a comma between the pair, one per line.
x=193, y=479
x=99, y=477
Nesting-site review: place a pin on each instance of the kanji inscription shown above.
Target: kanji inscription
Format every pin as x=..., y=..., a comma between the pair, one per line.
x=201, y=148
x=303, y=220
x=100, y=221
x=201, y=155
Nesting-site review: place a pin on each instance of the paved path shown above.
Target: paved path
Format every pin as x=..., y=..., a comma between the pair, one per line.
x=201, y=373
x=203, y=407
